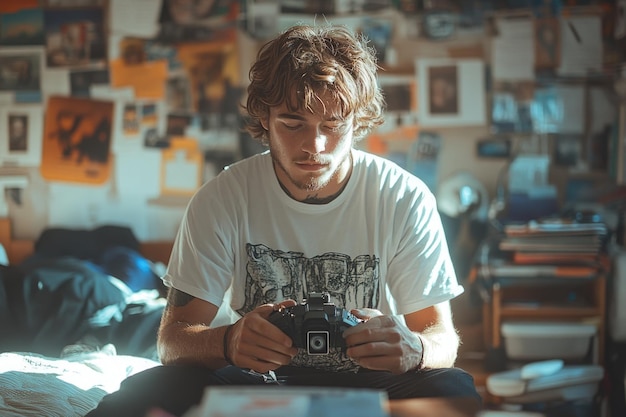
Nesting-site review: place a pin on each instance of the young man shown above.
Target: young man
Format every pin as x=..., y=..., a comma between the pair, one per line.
x=311, y=215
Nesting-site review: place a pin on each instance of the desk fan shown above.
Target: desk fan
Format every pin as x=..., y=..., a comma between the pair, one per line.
x=462, y=195
x=464, y=202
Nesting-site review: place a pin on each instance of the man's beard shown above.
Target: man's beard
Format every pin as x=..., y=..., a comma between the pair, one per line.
x=309, y=183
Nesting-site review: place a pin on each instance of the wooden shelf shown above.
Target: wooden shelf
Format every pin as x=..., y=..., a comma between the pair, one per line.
x=549, y=312
x=541, y=304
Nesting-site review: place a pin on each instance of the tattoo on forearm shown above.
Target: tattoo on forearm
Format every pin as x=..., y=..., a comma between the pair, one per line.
x=178, y=298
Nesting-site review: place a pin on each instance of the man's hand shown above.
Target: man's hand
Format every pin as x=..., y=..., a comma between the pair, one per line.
x=255, y=343
x=383, y=343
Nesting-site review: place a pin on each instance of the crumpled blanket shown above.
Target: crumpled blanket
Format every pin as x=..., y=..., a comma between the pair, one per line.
x=41, y=386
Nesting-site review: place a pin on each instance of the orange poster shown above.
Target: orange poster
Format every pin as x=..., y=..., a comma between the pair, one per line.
x=213, y=71
x=147, y=78
x=77, y=140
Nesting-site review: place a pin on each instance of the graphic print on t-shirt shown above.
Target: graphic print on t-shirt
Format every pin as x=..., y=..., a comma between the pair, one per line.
x=273, y=275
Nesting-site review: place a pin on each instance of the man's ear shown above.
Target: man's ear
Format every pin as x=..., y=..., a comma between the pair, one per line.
x=264, y=123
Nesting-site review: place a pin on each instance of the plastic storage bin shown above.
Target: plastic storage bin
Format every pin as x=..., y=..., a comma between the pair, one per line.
x=547, y=340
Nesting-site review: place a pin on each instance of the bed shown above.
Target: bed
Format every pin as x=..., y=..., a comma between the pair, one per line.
x=79, y=310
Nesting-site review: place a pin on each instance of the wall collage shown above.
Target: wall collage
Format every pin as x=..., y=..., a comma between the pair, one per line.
x=107, y=106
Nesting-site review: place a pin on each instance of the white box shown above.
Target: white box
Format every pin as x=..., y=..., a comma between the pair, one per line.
x=547, y=340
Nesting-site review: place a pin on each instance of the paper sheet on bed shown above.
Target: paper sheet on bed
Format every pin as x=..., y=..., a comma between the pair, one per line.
x=36, y=385
x=272, y=401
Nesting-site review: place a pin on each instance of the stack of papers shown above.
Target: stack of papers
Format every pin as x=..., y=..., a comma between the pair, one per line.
x=276, y=400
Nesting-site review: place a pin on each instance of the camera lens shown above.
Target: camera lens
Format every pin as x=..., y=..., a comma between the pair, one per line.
x=317, y=343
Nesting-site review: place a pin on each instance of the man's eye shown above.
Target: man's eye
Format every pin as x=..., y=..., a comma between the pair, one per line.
x=336, y=128
x=292, y=127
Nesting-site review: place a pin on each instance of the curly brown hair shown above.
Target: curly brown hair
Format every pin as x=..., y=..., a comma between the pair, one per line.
x=303, y=63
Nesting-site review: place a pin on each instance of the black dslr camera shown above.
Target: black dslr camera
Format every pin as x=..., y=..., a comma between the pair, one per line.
x=316, y=324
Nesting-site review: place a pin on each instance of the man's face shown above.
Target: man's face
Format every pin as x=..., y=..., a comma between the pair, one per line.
x=311, y=150
x=18, y=128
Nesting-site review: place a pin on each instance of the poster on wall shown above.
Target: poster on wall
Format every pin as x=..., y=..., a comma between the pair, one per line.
x=20, y=138
x=77, y=140
x=452, y=92
x=213, y=72
x=181, y=167
x=21, y=27
x=75, y=36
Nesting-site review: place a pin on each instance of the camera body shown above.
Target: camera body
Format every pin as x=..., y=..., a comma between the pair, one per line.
x=316, y=324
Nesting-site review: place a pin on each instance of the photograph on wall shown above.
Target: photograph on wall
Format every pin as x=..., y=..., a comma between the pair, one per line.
x=547, y=43
x=130, y=119
x=177, y=124
x=178, y=94
x=201, y=20
x=261, y=19
x=22, y=27
x=133, y=50
x=77, y=140
x=568, y=150
x=443, y=93
x=21, y=135
x=157, y=51
x=81, y=80
x=400, y=93
x=17, y=127
x=205, y=12
x=75, y=36
x=379, y=32
x=511, y=104
x=423, y=158
x=307, y=7
x=559, y=108
x=153, y=139
x=21, y=69
x=149, y=116
x=451, y=92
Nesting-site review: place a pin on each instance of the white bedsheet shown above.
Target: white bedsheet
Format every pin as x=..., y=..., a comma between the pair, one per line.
x=36, y=385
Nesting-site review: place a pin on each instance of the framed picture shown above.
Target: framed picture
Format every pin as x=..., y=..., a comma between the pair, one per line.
x=451, y=92
x=21, y=135
x=568, y=150
x=21, y=69
x=401, y=100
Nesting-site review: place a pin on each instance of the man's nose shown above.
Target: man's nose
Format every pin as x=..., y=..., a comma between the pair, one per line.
x=315, y=142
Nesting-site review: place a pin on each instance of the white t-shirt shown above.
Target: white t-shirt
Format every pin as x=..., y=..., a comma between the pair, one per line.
x=380, y=244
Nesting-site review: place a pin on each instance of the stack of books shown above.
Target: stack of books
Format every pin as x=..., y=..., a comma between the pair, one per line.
x=559, y=248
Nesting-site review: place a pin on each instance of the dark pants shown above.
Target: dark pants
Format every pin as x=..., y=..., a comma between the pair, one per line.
x=176, y=388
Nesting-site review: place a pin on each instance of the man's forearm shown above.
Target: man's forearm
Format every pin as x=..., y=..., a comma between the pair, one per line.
x=440, y=347
x=181, y=342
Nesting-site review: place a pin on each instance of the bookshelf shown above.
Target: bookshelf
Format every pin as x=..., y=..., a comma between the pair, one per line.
x=505, y=305
x=543, y=274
